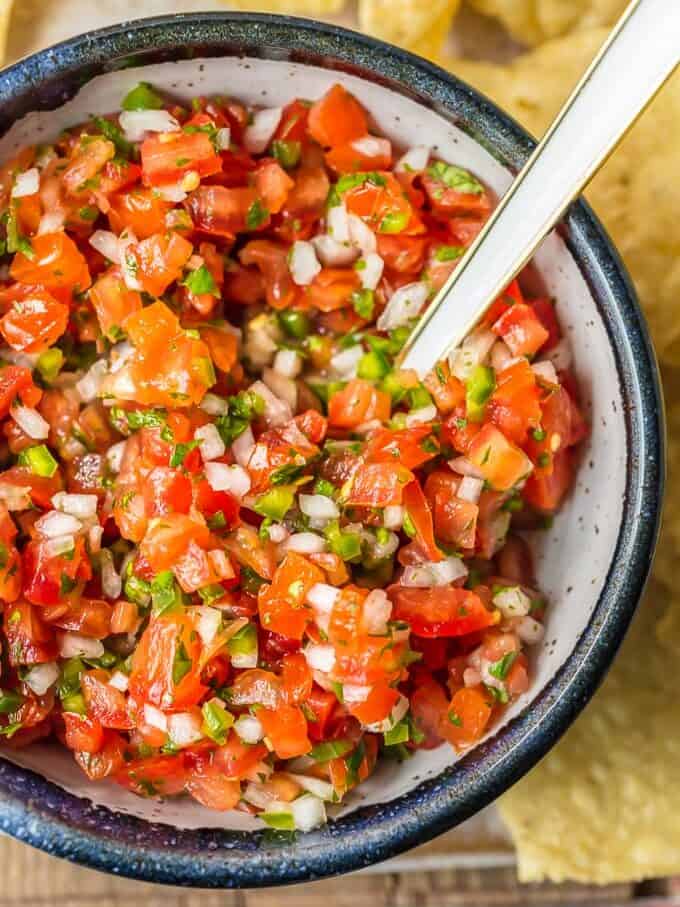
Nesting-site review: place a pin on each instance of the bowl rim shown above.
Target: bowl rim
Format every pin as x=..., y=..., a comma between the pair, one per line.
x=42, y=814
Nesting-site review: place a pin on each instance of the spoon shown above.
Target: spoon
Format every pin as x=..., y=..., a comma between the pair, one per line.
x=638, y=57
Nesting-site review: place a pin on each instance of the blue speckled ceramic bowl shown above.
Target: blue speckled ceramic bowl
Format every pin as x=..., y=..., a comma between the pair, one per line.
x=592, y=564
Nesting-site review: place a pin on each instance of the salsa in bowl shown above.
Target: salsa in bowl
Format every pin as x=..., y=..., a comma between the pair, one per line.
x=250, y=562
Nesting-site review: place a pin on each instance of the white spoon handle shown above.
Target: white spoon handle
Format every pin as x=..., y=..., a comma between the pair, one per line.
x=640, y=54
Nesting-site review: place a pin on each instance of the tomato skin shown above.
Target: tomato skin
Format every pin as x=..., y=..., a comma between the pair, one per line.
x=501, y=463
x=379, y=485
x=271, y=259
x=166, y=157
x=167, y=491
x=34, y=323
x=441, y=611
x=107, y=761
x=88, y=616
x=83, y=733
x=514, y=405
x=15, y=381
x=521, y=329
x=402, y=254
x=471, y=709
x=378, y=705
x=57, y=263
x=164, y=775
x=546, y=491
x=429, y=707
x=282, y=603
x=236, y=759
x=141, y=211
x=210, y=503
x=213, y=790
x=356, y=403
x=418, y=509
x=346, y=158
x=455, y=520
x=220, y=210
x=29, y=639
x=406, y=446
x=336, y=118
x=160, y=259
x=152, y=678
x=113, y=302
x=167, y=539
x=322, y=703
x=286, y=728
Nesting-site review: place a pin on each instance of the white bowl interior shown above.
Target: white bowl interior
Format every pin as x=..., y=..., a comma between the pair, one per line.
x=572, y=559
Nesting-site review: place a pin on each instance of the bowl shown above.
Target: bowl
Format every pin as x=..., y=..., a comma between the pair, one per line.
x=592, y=563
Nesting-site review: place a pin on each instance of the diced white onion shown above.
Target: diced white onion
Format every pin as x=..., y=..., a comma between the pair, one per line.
x=284, y=389
x=119, y=681
x=184, y=728
x=473, y=352
x=303, y=263
x=51, y=222
x=106, y=243
x=512, y=602
x=264, y=798
x=465, y=467
x=127, y=261
x=471, y=677
x=308, y=812
x=63, y=544
x=119, y=355
x=470, y=489
x=89, y=385
x=405, y=303
x=233, y=479
x=27, y=183
x=54, y=524
x=560, y=355
x=259, y=133
x=361, y=235
x=136, y=123
x=209, y=620
x=114, y=455
x=245, y=659
x=372, y=271
x=94, y=538
x=30, y=422
x=242, y=447
x=214, y=405
x=421, y=416
x=73, y=645
x=372, y=146
x=305, y=543
x=500, y=356
x=249, y=729
x=399, y=709
x=337, y=223
x=322, y=597
x=530, y=631
x=172, y=192
x=320, y=657
x=414, y=160
x=112, y=584
x=82, y=506
x=332, y=253
x=434, y=573
x=318, y=506
x=41, y=677
x=287, y=363
x=210, y=442
x=545, y=370
x=346, y=362
x=377, y=612
x=393, y=517
x=221, y=563
x=278, y=533
x=324, y=790
x=354, y=692
x=223, y=138
x=155, y=718
x=276, y=411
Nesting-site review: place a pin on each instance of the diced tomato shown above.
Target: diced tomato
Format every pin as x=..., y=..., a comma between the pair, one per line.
x=211, y=503
x=282, y=604
x=55, y=262
x=107, y=761
x=87, y=616
x=113, y=302
x=377, y=706
x=331, y=289
x=345, y=622
x=167, y=156
x=455, y=520
x=104, y=702
x=142, y=211
x=248, y=549
x=451, y=201
x=34, y=322
x=165, y=664
x=223, y=347
x=155, y=775
x=90, y=156
x=83, y=733
x=417, y=507
x=160, y=259
x=545, y=491
x=15, y=381
x=356, y=403
x=286, y=728
x=501, y=463
x=168, y=539
x=313, y=425
x=514, y=405
x=236, y=759
x=370, y=661
x=447, y=390
x=521, y=329
x=29, y=639
x=364, y=153
x=167, y=491
x=468, y=715
x=411, y=447
x=402, y=254
x=379, y=485
x=40, y=488
x=545, y=311
x=381, y=203
x=336, y=118
x=45, y=577
x=296, y=678
x=221, y=211
x=322, y=704
x=273, y=185
x=429, y=707
x=212, y=789
x=271, y=259
x=441, y=611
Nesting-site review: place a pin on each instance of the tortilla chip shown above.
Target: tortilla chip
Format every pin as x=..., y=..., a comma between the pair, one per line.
x=306, y=7
x=635, y=193
x=5, y=16
x=418, y=26
x=535, y=21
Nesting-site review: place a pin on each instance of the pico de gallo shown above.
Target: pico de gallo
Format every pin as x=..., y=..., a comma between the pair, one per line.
x=243, y=555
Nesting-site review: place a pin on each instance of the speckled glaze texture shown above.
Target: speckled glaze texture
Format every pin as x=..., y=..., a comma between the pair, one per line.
x=42, y=814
